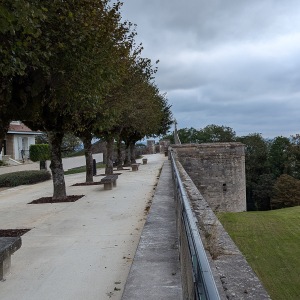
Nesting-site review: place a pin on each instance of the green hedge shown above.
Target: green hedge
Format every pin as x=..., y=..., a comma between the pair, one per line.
x=39, y=152
x=23, y=177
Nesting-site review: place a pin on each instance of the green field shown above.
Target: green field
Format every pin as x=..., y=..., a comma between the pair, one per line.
x=270, y=241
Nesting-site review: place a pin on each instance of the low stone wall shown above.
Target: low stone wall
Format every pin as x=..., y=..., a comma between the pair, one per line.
x=233, y=276
x=187, y=266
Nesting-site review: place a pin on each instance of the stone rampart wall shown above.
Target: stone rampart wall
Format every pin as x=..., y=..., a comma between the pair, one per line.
x=218, y=171
x=234, y=278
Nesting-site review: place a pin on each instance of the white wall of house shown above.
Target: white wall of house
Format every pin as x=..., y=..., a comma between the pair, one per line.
x=23, y=143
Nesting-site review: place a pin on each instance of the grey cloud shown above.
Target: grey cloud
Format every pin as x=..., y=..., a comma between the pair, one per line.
x=214, y=21
x=233, y=63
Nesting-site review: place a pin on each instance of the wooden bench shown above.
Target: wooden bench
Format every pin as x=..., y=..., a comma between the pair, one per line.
x=109, y=181
x=8, y=245
x=135, y=167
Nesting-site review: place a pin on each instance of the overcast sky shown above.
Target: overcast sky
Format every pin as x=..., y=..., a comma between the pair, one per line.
x=226, y=62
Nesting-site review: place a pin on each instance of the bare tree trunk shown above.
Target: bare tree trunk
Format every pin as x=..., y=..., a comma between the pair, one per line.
x=56, y=166
x=119, y=155
x=127, y=155
x=87, y=143
x=109, y=168
x=132, y=153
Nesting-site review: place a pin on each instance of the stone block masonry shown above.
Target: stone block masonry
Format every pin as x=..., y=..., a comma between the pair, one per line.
x=218, y=171
x=233, y=275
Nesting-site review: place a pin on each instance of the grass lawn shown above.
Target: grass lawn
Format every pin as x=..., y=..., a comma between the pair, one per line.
x=270, y=241
x=82, y=169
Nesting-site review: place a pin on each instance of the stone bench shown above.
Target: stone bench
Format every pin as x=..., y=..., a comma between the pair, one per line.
x=8, y=245
x=145, y=160
x=135, y=167
x=109, y=181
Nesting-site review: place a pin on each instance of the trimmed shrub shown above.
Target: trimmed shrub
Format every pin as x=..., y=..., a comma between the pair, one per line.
x=23, y=177
x=39, y=152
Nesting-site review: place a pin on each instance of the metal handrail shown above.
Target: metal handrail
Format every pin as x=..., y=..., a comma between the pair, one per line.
x=204, y=284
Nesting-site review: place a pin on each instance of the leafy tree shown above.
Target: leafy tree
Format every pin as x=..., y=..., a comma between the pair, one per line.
x=188, y=135
x=19, y=32
x=280, y=157
x=262, y=191
x=216, y=134
x=256, y=156
x=286, y=192
x=106, y=122
x=209, y=134
x=169, y=136
x=86, y=41
x=139, y=110
x=152, y=117
x=295, y=154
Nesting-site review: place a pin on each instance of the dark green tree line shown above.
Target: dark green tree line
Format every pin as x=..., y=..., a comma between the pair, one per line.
x=272, y=166
x=209, y=134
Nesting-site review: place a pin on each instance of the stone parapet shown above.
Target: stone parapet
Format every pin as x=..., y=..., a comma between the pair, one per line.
x=231, y=271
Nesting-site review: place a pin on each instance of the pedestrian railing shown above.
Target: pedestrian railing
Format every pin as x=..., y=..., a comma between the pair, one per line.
x=198, y=283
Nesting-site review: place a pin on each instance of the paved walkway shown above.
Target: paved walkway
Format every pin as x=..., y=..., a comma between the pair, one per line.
x=155, y=272
x=81, y=250
x=22, y=167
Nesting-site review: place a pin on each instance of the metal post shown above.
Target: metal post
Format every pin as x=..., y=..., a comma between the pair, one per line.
x=94, y=167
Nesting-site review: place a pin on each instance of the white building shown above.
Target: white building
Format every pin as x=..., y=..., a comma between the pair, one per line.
x=18, y=140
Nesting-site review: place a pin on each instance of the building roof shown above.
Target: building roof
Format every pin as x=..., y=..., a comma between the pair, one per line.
x=20, y=128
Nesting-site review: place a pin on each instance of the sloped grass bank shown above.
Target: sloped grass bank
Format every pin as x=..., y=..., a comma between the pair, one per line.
x=270, y=241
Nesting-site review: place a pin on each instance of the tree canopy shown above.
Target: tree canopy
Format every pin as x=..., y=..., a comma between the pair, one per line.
x=286, y=192
x=209, y=134
x=62, y=66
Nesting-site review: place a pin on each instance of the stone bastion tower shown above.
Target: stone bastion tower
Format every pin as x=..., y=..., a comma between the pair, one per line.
x=218, y=171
